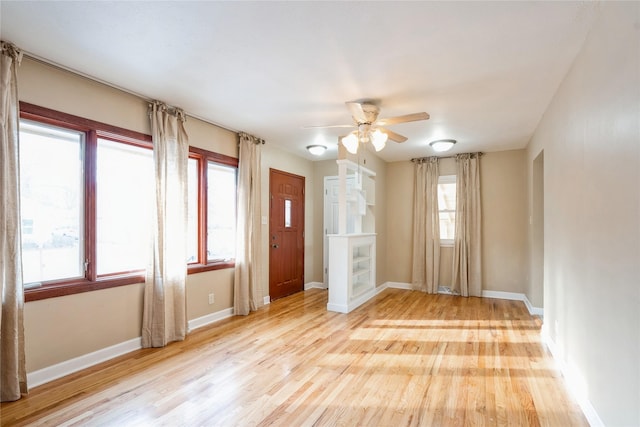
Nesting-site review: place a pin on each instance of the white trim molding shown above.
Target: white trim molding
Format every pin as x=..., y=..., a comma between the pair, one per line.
x=354, y=303
x=573, y=379
x=76, y=364
x=381, y=288
x=267, y=300
x=209, y=318
x=534, y=311
x=398, y=285
x=314, y=285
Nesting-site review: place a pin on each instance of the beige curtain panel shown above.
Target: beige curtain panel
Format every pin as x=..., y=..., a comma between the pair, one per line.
x=426, y=226
x=13, y=377
x=247, y=286
x=164, y=313
x=467, y=267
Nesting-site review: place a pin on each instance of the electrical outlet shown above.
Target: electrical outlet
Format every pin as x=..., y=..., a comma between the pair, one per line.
x=211, y=298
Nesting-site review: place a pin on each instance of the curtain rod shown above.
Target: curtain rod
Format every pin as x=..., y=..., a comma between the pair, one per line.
x=256, y=140
x=60, y=67
x=417, y=159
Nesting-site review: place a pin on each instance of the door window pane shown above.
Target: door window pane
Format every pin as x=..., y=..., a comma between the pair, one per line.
x=52, y=202
x=124, y=191
x=221, y=211
x=287, y=213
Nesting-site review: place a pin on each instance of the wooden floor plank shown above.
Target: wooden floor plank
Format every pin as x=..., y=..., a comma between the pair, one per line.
x=403, y=358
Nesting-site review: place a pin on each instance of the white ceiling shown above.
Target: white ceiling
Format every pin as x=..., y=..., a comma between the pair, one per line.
x=484, y=71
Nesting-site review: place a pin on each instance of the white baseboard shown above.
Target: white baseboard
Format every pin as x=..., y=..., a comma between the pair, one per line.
x=353, y=304
x=267, y=300
x=574, y=381
x=67, y=367
x=76, y=364
x=314, y=285
x=399, y=285
x=381, y=288
x=209, y=318
x=338, y=308
x=503, y=295
x=534, y=311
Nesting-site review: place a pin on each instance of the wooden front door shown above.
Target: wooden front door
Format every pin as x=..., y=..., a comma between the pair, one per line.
x=286, y=234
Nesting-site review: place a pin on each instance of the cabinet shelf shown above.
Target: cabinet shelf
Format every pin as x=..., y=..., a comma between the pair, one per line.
x=360, y=288
x=352, y=276
x=360, y=272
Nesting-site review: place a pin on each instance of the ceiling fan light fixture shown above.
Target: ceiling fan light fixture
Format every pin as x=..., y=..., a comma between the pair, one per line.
x=317, y=149
x=442, y=145
x=378, y=139
x=350, y=142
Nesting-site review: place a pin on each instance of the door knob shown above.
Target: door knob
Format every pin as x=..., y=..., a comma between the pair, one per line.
x=274, y=246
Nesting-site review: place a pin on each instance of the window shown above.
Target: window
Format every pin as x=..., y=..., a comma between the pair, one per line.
x=52, y=202
x=86, y=203
x=221, y=212
x=124, y=190
x=212, y=210
x=447, y=208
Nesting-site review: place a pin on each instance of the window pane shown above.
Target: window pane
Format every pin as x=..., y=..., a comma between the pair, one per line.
x=447, y=225
x=52, y=200
x=221, y=212
x=447, y=196
x=124, y=190
x=192, y=212
x=447, y=207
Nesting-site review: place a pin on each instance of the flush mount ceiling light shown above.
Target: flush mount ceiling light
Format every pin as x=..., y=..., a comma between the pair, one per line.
x=317, y=149
x=442, y=145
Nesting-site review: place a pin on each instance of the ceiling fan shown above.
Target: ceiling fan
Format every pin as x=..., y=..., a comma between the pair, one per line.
x=371, y=129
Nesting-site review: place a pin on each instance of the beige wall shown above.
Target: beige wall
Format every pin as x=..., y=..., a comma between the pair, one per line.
x=504, y=234
x=199, y=286
x=399, y=227
x=63, y=91
x=62, y=328
x=504, y=221
x=59, y=329
x=590, y=135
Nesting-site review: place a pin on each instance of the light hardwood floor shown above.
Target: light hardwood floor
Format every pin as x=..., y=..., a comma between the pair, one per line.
x=403, y=358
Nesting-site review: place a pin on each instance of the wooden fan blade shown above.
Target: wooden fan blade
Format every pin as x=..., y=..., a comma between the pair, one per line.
x=357, y=111
x=403, y=119
x=328, y=126
x=363, y=112
x=393, y=136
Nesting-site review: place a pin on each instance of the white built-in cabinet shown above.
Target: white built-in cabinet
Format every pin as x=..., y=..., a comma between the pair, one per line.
x=352, y=251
